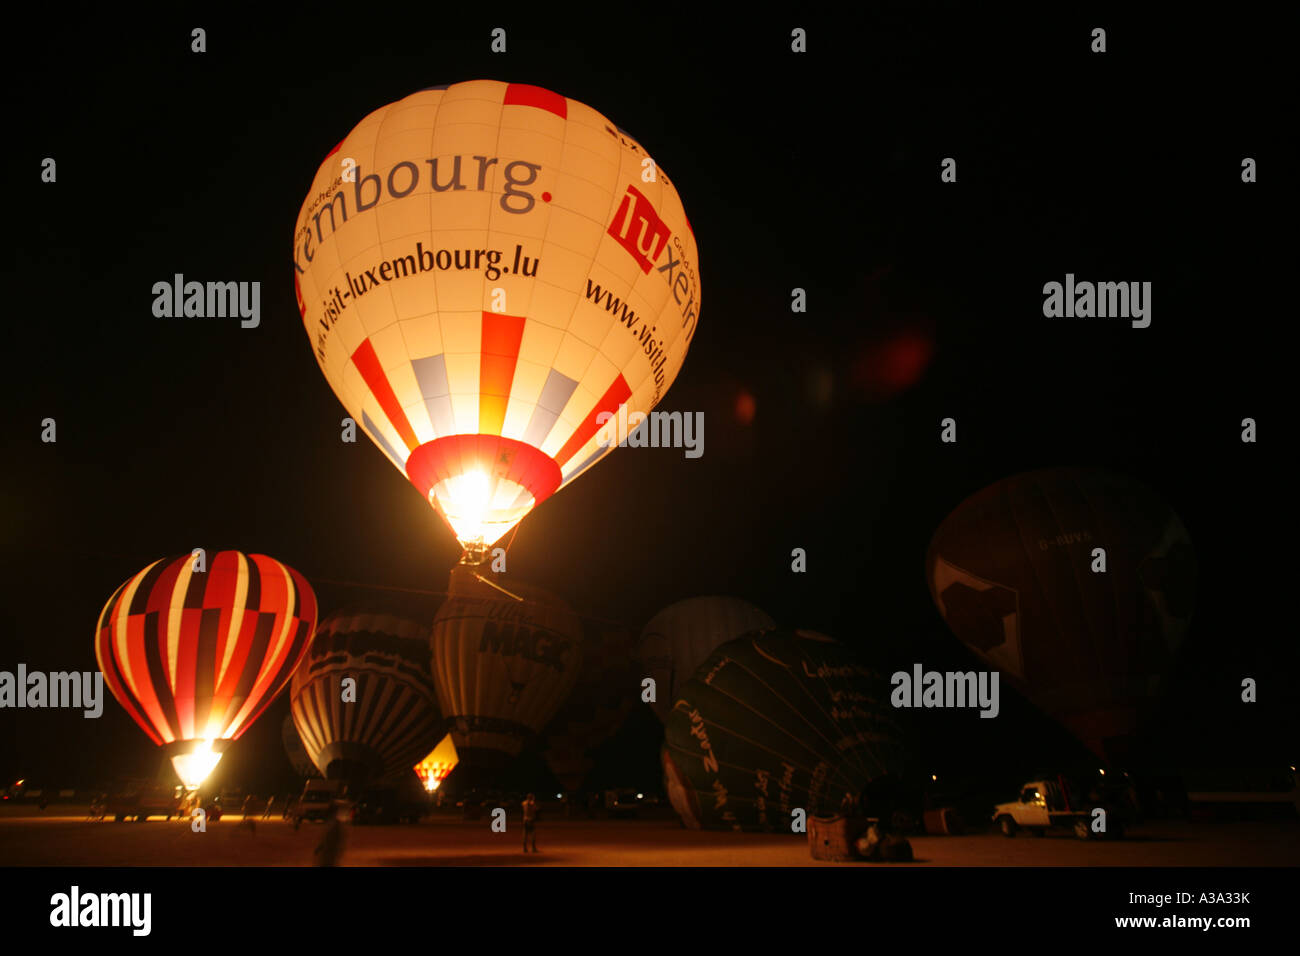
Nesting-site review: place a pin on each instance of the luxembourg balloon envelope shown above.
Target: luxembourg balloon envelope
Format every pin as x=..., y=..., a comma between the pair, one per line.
x=484, y=270
x=195, y=656
x=682, y=635
x=392, y=720
x=502, y=667
x=774, y=721
x=1013, y=570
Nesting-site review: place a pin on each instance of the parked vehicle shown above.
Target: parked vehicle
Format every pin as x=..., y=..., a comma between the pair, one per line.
x=140, y=800
x=387, y=804
x=623, y=803
x=318, y=800
x=1044, y=805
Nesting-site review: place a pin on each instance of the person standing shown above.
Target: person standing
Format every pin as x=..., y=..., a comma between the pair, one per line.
x=530, y=821
x=330, y=849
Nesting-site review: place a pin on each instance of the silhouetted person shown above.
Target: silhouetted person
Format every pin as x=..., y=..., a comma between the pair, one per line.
x=270, y=805
x=330, y=849
x=248, y=805
x=529, y=807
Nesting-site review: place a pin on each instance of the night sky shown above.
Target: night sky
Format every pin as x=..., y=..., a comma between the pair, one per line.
x=818, y=171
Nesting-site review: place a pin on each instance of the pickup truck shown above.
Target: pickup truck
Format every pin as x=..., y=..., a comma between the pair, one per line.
x=1045, y=804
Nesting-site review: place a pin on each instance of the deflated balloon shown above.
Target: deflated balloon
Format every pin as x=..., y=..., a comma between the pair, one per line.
x=381, y=726
x=777, y=721
x=484, y=270
x=1017, y=572
x=607, y=690
x=682, y=635
x=195, y=650
x=502, y=666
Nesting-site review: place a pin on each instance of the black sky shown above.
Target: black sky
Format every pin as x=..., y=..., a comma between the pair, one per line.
x=818, y=171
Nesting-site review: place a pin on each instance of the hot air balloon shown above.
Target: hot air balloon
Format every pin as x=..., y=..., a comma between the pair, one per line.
x=196, y=655
x=1014, y=571
x=502, y=666
x=299, y=759
x=682, y=635
x=486, y=272
x=777, y=721
x=608, y=688
x=392, y=718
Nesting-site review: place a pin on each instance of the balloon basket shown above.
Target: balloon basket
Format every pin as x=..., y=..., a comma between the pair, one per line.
x=833, y=838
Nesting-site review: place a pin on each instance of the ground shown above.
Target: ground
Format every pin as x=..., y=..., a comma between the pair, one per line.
x=69, y=840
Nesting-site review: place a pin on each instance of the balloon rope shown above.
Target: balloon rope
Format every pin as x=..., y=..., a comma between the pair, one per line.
x=497, y=586
x=384, y=587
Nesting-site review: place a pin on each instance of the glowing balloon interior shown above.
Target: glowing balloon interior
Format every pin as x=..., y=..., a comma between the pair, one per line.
x=439, y=762
x=196, y=655
x=485, y=270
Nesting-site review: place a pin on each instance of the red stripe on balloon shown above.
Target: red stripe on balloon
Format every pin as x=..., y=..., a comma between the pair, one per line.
x=275, y=594
x=617, y=393
x=367, y=364
x=521, y=94
x=499, y=355
x=146, y=694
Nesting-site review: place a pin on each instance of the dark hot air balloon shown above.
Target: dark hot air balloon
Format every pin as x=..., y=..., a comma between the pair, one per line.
x=299, y=759
x=393, y=721
x=502, y=666
x=1014, y=573
x=682, y=635
x=777, y=721
x=607, y=690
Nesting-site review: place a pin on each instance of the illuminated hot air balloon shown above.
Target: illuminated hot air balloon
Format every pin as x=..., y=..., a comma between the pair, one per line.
x=299, y=759
x=774, y=721
x=484, y=270
x=608, y=688
x=196, y=655
x=439, y=762
x=502, y=666
x=1014, y=572
x=682, y=635
x=391, y=719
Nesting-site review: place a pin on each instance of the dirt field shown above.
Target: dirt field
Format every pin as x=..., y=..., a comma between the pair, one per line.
x=449, y=841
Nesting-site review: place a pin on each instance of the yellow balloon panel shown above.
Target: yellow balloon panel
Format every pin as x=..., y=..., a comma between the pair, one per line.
x=483, y=270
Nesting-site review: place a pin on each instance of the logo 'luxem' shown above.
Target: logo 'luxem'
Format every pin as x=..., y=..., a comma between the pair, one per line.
x=636, y=207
